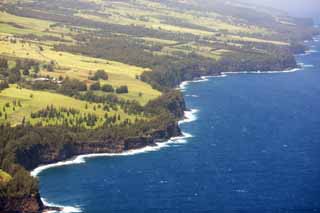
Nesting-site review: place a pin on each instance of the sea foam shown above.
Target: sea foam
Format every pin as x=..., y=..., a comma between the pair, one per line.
x=64, y=209
x=190, y=116
x=303, y=65
x=184, y=84
x=263, y=72
x=309, y=52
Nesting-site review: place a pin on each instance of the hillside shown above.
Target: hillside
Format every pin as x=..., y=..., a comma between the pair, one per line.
x=83, y=76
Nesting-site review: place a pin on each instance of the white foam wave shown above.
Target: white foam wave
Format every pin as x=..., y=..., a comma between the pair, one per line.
x=64, y=209
x=82, y=158
x=309, y=52
x=190, y=116
x=184, y=85
x=202, y=79
x=312, y=51
x=263, y=72
x=303, y=65
x=222, y=75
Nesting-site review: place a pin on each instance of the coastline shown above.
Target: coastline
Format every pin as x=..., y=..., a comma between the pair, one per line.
x=189, y=116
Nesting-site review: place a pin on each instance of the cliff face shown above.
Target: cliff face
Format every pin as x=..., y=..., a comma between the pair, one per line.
x=31, y=203
x=45, y=154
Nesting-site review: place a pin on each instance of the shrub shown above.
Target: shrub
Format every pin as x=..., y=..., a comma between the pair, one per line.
x=107, y=88
x=100, y=74
x=95, y=86
x=72, y=86
x=122, y=89
x=14, y=76
x=4, y=85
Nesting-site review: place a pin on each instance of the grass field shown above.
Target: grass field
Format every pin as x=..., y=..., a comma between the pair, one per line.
x=33, y=101
x=27, y=25
x=80, y=67
x=148, y=14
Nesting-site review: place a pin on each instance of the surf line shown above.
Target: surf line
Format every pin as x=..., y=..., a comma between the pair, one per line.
x=189, y=116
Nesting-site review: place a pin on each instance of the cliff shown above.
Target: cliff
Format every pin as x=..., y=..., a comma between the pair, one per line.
x=30, y=203
x=39, y=154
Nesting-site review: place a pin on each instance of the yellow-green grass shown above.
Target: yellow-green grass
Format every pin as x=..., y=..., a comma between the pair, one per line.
x=159, y=41
x=17, y=25
x=67, y=61
x=206, y=51
x=256, y=40
x=30, y=25
x=4, y=177
x=81, y=67
x=138, y=90
x=33, y=101
x=9, y=29
x=148, y=24
x=214, y=54
x=137, y=14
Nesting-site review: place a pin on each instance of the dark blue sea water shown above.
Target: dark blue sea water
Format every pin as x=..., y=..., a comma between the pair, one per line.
x=255, y=148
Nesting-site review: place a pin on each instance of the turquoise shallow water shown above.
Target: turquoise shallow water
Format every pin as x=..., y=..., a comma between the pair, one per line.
x=254, y=148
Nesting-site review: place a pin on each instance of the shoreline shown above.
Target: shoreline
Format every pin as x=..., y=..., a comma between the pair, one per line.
x=189, y=116
x=184, y=84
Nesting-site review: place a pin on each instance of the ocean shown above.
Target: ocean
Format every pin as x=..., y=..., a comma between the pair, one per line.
x=251, y=144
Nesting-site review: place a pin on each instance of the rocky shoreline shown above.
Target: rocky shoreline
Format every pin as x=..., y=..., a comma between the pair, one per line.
x=42, y=155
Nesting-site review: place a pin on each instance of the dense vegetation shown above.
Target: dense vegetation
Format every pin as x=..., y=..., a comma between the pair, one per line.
x=80, y=76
